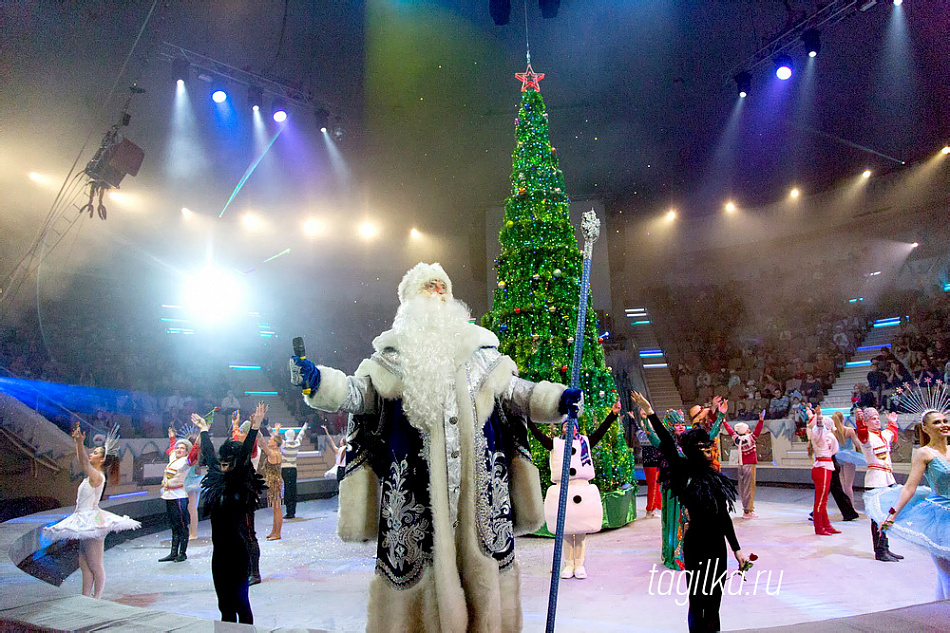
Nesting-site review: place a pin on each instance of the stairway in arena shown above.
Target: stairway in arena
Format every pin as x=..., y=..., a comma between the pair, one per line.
x=663, y=394
x=251, y=385
x=856, y=369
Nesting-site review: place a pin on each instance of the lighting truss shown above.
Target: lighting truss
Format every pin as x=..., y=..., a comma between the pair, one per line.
x=829, y=14
x=206, y=65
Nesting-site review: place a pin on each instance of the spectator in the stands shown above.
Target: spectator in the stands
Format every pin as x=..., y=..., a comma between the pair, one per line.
x=743, y=413
x=841, y=339
x=778, y=405
x=229, y=404
x=812, y=388
x=896, y=376
x=862, y=397
x=927, y=374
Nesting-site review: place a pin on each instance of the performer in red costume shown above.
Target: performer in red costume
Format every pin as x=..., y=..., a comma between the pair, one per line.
x=824, y=446
x=748, y=460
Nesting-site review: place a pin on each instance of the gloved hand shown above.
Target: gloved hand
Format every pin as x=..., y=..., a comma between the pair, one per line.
x=572, y=401
x=304, y=374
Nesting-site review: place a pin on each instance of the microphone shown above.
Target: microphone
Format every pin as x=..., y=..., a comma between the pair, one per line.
x=302, y=353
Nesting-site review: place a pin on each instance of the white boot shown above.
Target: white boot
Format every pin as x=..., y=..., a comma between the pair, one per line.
x=580, y=544
x=567, y=555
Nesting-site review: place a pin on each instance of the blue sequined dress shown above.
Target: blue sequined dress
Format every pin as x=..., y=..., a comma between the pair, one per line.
x=925, y=520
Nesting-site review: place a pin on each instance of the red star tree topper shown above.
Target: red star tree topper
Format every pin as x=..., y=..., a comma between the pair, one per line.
x=529, y=79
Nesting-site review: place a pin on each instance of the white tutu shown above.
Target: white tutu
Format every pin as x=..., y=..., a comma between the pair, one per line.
x=88, y=520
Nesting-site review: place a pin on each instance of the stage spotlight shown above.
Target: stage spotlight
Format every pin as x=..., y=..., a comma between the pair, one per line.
x=812, y=40
x=549, y=8
x=500, y=11
x=743, y=84
x=671, y=215
x=794, y=193
x=185, y=211
x=323, y=119
x=866, y=174
x=898, y=3
x=783, y=66
x=180, y=70
x=945, y=150
x=279, y=111
x=219, y=96
x=730, y=207
x=312, y=227
x=914, y=245
x=251, y=221
x=415, y=234
x=255, y=98
x=367, y=230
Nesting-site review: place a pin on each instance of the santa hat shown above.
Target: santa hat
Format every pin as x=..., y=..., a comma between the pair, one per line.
x=414, y=281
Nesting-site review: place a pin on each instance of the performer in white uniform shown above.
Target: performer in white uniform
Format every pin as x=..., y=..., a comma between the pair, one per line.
x=181, y=457
x=876, y=446
x=88, y=523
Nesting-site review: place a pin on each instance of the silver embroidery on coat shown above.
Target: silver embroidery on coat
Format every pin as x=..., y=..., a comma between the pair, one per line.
x=492, y=502
x=518, y=394
x=355, y=400
x=405, y=530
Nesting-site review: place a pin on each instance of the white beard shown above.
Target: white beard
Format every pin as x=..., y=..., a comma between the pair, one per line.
x=429, y=329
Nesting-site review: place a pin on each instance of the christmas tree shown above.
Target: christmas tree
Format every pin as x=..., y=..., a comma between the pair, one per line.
x=536, y=301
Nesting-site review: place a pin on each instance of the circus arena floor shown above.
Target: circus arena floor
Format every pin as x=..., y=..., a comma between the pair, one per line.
x=314, y=581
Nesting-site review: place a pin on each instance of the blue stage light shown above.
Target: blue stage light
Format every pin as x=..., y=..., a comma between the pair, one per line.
x=783, y=67
x=219, y=96
x=279, y=110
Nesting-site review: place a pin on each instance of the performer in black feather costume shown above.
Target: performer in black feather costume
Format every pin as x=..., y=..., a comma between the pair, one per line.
x=232, y=489
x=709, y=497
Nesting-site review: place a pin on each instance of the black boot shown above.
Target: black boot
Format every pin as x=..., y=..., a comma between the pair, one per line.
x=880, y=551
x=887, y=547
x=182, y=548
x=254, y=564
x=174, y=553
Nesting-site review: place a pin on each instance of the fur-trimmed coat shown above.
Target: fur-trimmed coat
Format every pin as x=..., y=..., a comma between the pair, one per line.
x=443, y=505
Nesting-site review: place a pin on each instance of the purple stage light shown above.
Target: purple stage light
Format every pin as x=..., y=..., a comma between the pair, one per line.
x=219, y=96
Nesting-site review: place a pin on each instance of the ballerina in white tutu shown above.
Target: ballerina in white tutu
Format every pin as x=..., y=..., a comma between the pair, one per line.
x=88, y=523
x=921, y=514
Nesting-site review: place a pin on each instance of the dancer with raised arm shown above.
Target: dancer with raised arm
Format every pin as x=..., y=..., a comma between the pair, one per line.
x=921, y=514
x=748, y=461
x=673, y=517
x=438, y=469
x=88, y=523
x=232, y=490
x=182, y=455
x=288, y=466
x=876, y=445
x=339, y=456
x=824, y=445
x=709, y=496
x=274, y=482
